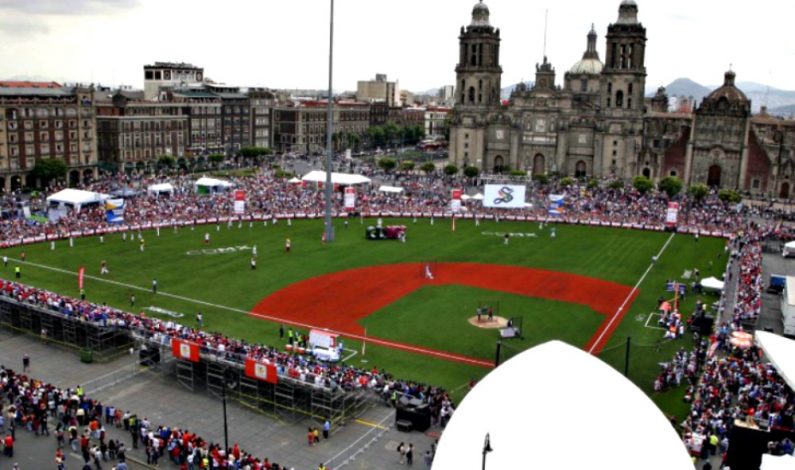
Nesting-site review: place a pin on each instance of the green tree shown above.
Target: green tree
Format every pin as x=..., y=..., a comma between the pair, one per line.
x=541, y=178
x=698, y=191
x=471, y=171
x=593, y=183
x=387, y=164
x=616, y=184
x=566, y=181
x=406, y=165
x=377, y=136
x=642, y=184
x=216, y=158
x=166, y=161
x=428, y=167
x=729, y=195
x=49, y=169
x=391, y=131
x=518, y=173
x=671, y=185
x=450, y=170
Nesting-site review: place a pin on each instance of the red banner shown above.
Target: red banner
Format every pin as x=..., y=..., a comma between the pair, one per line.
x=672, y=216
x=455, y=201
x=261, y=371
x=80, y=274
x=185, y=350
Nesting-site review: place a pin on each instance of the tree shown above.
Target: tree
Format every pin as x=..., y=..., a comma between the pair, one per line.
x=593, y=183
x=391, y=131
x=541, y=178
x=616, y=184
x=729, y=195
x=517, y=173
x=698, y=191
x=216, y=158
x=428, y=167
x=166, y=161
x=566, y=181
x=450, y=170
x=387, y=164
x=377, y=136
x=406, y=165
x=642, y=184
x=471, y=171
x=671, y=185
x=48, y=169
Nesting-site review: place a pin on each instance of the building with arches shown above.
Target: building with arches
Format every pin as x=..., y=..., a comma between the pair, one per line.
x=599, y=123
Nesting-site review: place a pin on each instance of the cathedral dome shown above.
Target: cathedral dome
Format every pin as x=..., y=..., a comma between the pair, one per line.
x=728, y=90
x=480, y=14
x=587, y=66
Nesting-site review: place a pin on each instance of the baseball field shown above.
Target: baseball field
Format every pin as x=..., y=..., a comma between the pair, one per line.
x=589, y=286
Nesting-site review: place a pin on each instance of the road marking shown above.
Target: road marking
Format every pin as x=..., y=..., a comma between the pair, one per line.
x=371, y=424
x=629, y=296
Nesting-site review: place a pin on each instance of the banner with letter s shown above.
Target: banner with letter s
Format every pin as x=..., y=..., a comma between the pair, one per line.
x=506, y=196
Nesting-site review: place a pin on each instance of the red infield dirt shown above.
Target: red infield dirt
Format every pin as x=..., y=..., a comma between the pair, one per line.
x=337, y=301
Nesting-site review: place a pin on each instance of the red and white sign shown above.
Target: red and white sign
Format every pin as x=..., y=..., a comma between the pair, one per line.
x=80, y=274
x=261, y=371
x=672, y=215
x=350, y=197
x=240, y=201
x=185, y=350
x=455, y=200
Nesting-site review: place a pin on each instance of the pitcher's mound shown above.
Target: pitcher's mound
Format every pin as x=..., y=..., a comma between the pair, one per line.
x=496, y=322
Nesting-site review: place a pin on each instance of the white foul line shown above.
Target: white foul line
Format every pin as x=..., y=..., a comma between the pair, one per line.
x=629, y=296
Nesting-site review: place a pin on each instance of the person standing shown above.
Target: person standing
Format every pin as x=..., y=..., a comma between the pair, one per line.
x=103, y=268
x=154, y=286
x=132, y=300
x=507, y=238
x=18, y=271
x=326, y=428
x=25, y=362
x=206, y=238
x=141, y=244
x=287, y=245
x=82, y=294
x=253, y=263
x=199, y=320
x=410, y=455
x=5, y=261
x=281, y=331
x=401, y=448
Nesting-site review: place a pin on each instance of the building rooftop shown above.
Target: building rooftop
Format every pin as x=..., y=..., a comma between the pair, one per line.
x=37, y=92
x=173, y=65
x=25, y=84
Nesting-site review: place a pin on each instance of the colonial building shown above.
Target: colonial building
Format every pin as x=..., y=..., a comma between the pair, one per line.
x=379, y=89
x=133, y=134
x=205, y=117
x=599, y=123
x=236, y=112
x=45, y=121
x=169, y=75
x=262, y=102
x=300, y=126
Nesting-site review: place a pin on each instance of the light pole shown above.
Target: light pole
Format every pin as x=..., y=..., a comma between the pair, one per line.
x=329, y=229
x=486, y=449
x=229, y=380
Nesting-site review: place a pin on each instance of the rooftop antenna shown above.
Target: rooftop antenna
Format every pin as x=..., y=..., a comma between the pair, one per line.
x=546, y=15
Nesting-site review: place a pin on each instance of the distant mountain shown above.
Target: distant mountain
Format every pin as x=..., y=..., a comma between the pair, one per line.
x=687, y=88
x=759, y=94
x=785, y=111
x=505, y=92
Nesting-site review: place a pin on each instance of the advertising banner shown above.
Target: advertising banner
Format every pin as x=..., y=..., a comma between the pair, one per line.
x=185, y=350
x=240, y=201
x=350, y=197
x=556, y=202
x=455, y=200
x=672, y=215
x=261, y=371
x=505, y=196
x=114, y=210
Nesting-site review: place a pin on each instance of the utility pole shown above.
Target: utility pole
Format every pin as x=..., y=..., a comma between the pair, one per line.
x=329, y=229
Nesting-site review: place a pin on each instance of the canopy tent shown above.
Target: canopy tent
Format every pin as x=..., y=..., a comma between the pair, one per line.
x=466, y=197
x=344, y=179
x=160, y=188
x=207, y=185
x=789, y=248
x=712, y=283
x=76, y=198
x=124, y=192
x=390, y=189
x=780, y=351
x=294, y=180
x=520, y=405
x=478, y=197
x=777, y=462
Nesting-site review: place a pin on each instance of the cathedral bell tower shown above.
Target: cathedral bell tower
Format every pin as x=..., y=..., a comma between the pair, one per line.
x=477, y=92
x=625, y=70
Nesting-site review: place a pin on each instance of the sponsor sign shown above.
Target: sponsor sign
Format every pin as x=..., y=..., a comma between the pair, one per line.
x=505, y=196
x=672, y=216
x=114, y=211
x=240, y=201
x=455, y=200
x=263, y=371
x=185, y=350
x=350, y=197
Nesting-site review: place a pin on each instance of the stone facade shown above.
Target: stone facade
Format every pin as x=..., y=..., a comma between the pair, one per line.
x=599, y=123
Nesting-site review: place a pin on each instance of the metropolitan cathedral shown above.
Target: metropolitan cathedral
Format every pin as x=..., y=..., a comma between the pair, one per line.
x=600, y=124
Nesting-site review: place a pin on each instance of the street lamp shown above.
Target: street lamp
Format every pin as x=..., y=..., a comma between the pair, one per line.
x=329, y=229
x=486, y=449
x=229, y=381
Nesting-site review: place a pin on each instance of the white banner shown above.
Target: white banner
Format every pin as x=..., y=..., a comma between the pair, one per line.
x=350, y=197
x=508, y=196
x=672, y=215
x=240, y=202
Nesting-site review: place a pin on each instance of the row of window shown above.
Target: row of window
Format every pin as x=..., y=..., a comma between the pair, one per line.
x=42, y=149
x=45, y=136
x=40, y=112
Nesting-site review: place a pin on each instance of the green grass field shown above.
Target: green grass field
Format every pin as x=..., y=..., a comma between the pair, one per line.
x=434, y=317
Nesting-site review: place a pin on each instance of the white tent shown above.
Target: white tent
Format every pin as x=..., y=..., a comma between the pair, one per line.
x=390, y=189
x=345, y=179
x=160, y=188
x=712, y=283
x=777, y=462
x=534, y=404
x=76, y=198
x=212, y=184
x=294, y=180
x=780, y=351
x=466, y=197
x=478, y=197
x=789, y=248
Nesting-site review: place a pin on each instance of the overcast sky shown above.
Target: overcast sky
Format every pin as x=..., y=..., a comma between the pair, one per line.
x=284, y=44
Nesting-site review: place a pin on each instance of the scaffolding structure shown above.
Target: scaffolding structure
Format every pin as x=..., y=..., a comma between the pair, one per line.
x=51, y=326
